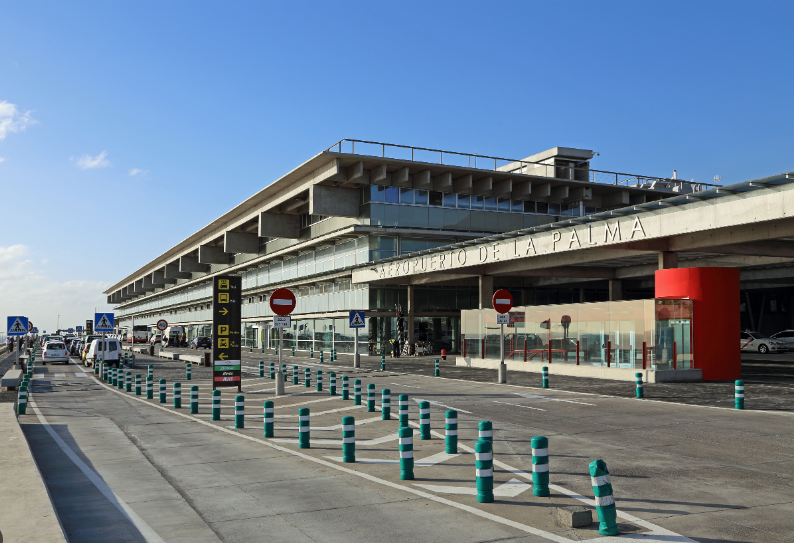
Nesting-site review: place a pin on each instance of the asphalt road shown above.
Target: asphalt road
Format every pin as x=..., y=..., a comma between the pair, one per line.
x=123, y=468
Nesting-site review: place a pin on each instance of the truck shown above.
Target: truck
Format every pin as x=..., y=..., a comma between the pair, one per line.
x=172, y=335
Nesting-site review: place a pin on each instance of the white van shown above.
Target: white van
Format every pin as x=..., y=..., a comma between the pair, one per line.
x=112, y=352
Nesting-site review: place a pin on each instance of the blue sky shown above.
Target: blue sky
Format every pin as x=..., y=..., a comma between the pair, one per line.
x=134, y=124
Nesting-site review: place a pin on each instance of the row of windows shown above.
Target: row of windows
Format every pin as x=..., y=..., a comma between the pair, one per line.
x=395, y=195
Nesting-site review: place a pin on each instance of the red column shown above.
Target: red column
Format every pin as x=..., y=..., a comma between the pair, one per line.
x=609, y=353
x=483, y=347
x=577, y=353
x=644, y=355
x=549, y=351
x=675, y=356
x=525, y=349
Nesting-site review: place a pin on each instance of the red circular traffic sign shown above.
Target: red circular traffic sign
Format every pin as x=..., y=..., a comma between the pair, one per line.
x=502, y=301
x=282, y=302
x=162, y=325
x=30, y=326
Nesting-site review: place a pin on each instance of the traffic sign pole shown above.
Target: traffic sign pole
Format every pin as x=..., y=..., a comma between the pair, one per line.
x=502, y=302
x=356, y=356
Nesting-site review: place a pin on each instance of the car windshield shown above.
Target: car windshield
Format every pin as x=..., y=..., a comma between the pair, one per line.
x=758, y=335
x=55, y=346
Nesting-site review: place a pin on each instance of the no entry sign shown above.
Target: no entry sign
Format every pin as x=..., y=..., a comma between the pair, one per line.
x=282, y=302
x=502, y=301
x=162, y=325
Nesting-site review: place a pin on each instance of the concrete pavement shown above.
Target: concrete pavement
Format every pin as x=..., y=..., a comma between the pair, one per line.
x=679, y=471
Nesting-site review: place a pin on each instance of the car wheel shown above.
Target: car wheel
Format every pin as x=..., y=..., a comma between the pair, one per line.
x=763, y=349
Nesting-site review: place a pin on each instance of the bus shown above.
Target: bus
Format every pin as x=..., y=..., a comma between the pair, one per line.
x=140, y=334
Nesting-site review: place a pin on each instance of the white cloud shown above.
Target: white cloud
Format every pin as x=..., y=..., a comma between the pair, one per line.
x=2, y=159
x=88, y=162
x=137, y=171
x=25, y=290
x=12, y=120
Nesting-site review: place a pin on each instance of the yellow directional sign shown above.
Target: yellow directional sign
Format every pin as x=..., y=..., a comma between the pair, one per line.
x=223, y=298
x=222, y=356
x=223, y=311
x=223, y=330
x=223, y=284
x=223, y=343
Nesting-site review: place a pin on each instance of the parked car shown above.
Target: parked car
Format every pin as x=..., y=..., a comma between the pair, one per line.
x=157, y=338
x=786, y=336
x=87, y=345
x=112, y=352
x=55, y=351
x=201, y=341
x=758, y=342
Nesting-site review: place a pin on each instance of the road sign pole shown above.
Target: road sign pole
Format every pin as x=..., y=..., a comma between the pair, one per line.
x=280, y=348
x=356, y=356
x=502, y=365
x=103, y=347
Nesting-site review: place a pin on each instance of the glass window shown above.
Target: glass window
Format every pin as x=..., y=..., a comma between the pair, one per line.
x=529, y=207
x=542, y=207
x=406, y=196
x=376, y=193
x=392, y=195
x=464, y=201
x=410, y=245
x=490, y=204
x=554, y=209
x=436, y=198
x=517, y=205
x=420, y=197
x=477, y=202
x=504, y=204
x=450, y=200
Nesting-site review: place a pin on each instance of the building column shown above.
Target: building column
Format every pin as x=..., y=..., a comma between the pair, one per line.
x=615, y=290
x=410, y=318
x=486, y=292
x=668, y=260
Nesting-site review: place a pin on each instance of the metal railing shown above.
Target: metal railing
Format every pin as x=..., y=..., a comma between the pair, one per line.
x=513, y=166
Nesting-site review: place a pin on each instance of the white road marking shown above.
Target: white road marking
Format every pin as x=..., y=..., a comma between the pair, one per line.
x=539, y=397
x=80, y=374
x=306, y=402
x=321, y=412
x=364, y=460
x=519, y=405
x=406, y=386
x=434, y=459
x=417, y=400
x=145, y=530
x=510, y=489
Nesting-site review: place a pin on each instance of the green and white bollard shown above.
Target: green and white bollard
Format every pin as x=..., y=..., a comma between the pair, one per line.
x=322, y=355
x=540, y=466
x=739, y=394
x=332, y=384
x=121, y=380
x=162, y=390
x=251, y=349
x=272, y=370
x=545, y=375
x=370, y=398
x=104, y=372
x=149, y=387
x=294, y=375
x=385, y=404
x=437, y=371
x=151, y=371
x=406, y=453
x=303, y=428
x=348, y=439
x=451, y=431
x=268, y=412
x=293, y=350
x=239, y=411
x=604, y=500
x=261, y=368
x=640, y=393
x=485, y=429
x=216, y=405
x=307, y=378
x=382, y=363
x=483, y=463
x=177, y=395
x=188, y=369
x=22, y=400
x=357, y=392
x=424, y=420
x=311, y=352
x=284, y=371
x=137, y=384
x=263, y=349
x=402, y=409
x=194, y=399
x=114, y=380
x=96, y=369
x=319, y=380
x=128, y=381
x=345, y=389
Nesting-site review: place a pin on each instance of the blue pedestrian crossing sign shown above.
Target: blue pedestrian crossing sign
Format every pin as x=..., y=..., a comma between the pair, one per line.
x=71, y=330
x=17, y=326
x=79, y=328
x=357, y=319
x=103, y=322
x=35, y=330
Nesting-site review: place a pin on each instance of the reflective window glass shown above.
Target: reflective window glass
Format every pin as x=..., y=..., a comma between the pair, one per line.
x=517, y=205
x=542, y=207
x=406, y=196
x=420, y=197
x=464, y=201
x=392, y=195
x=529, y=207
x=554, y=209
x=490, y=204
x=435, y=199
x=450, y=200
x=477, y=202
x=504, y=204
x=376, y=193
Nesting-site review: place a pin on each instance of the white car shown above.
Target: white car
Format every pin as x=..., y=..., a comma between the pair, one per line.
x=786, y=336
x=55, y=351
x=112, y=351
x=758, y=342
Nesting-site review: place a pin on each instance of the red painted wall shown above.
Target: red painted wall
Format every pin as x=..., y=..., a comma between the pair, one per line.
x=716, y=326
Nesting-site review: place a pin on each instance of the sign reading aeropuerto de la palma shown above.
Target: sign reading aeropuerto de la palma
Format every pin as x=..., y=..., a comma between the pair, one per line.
x=226, y=331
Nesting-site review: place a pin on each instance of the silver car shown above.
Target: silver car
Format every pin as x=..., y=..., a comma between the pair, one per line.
x=786, y=336
x=758, y=342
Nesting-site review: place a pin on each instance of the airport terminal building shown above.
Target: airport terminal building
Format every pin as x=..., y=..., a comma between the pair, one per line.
x=420, y=238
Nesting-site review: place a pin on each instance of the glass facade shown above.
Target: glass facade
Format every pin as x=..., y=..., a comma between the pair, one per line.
x=597, y=334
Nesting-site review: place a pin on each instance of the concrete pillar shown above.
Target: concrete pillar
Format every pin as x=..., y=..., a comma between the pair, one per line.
x=668, y=260
x=615, y=290
x=581, y=295
x=410, y=319
x=486, y=292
